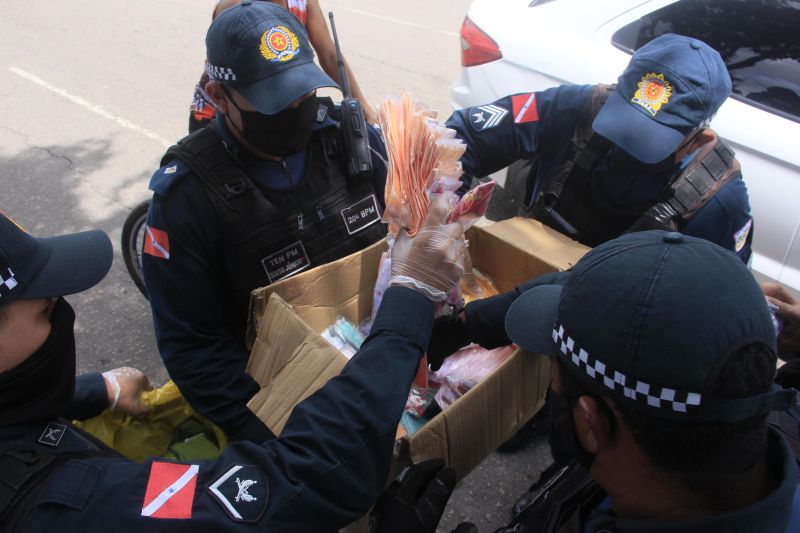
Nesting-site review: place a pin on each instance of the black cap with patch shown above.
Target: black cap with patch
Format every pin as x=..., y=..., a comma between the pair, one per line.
x=33, y=267
x=649, y=319
x=262, y=51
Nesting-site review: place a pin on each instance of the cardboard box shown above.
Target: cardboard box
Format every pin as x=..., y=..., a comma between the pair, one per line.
x=290, y=360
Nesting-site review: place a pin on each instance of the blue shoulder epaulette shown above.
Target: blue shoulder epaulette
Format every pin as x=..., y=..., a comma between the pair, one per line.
x=167, y=176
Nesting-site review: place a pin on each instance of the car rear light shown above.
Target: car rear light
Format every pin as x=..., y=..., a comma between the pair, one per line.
x=477, y=48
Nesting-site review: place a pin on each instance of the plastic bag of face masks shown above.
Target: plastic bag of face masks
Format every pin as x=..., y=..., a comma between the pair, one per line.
x=172, y=429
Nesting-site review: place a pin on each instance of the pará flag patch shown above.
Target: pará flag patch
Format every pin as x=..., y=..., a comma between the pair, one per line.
x=156, y=242
x=524, y=107
x=170, y=490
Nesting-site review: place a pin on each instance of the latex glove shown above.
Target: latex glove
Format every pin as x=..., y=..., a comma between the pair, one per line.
x=431, y=262
x=415, y=501
x=449, y=335
x=124, y=387
x=789, y=313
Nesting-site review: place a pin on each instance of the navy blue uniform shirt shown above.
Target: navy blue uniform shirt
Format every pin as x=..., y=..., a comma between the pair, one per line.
x=90, y=397
x=325, y=470
x=188, y=284
x=542, y=124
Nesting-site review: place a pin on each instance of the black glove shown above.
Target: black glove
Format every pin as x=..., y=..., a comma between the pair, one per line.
x=449, y=334
x=415, y=501
x=465, y=527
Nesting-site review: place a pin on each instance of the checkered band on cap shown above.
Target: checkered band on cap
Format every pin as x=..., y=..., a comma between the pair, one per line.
x=7, y=281
x=653, y=396
x=220, y=73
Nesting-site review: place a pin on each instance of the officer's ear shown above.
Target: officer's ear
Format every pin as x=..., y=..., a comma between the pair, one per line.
x=216, y=91
x=592, y=426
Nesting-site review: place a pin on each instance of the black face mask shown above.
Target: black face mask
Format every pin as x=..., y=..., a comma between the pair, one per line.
x=282, y=134
x=41, y=387
x=622, y=162
x=563, y=425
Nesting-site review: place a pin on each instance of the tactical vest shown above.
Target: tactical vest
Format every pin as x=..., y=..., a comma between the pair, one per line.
x=271, y=234
x=26, y=466
x=570, y=202
x=560, y=504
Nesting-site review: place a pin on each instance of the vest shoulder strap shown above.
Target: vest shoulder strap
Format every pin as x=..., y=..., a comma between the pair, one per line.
x=25, y=469
x=711, y=169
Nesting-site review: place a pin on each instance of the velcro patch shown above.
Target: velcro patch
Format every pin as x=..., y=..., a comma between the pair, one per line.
x=361, y=215
x=243, y=492
x=487, y=117
x=170, y=490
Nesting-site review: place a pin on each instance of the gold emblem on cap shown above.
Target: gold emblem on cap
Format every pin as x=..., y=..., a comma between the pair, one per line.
x=653, y=92
x=279, y=44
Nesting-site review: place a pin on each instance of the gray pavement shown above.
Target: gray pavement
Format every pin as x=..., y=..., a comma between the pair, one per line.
x=95, y=91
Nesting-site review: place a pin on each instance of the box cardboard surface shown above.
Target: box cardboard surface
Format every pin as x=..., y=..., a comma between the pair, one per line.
x=290, y=360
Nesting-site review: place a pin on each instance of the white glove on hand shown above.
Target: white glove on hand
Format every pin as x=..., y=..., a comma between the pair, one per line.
x=432, y=261
x=124, y=387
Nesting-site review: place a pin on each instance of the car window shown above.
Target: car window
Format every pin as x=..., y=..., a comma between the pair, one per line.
x=757, y=39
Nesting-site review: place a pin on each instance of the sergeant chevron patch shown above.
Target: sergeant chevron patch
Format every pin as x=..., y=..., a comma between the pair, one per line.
x=487, y=117
x=242, y=492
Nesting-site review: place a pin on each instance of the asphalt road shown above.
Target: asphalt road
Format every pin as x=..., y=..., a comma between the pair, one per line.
x=94, y=92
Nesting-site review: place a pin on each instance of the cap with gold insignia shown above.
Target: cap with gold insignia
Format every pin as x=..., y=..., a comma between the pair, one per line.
x=262, y=51
x=672, y=85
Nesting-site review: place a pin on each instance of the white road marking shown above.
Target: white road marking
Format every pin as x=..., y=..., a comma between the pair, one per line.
x=96, y=109
x=389, y=19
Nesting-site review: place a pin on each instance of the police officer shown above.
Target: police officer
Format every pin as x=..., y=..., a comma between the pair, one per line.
x=326, y=469
x=258, y=196
x=607, y=160
x=663, y=356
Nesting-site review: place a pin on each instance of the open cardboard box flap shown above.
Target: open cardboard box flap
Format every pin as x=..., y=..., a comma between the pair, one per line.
x=290, y=360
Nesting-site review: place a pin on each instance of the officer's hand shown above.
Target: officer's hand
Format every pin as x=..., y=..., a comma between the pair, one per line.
x=789, y=313
x=415, y=501
x=431, y=262
x=124, y=387
x=449, y=334
x=465, y=527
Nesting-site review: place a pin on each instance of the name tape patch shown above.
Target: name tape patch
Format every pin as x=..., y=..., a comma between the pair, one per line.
x=286, y=262
x=361, y=215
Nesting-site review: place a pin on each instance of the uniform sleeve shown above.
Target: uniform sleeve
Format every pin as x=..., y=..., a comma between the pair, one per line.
x=515, y=127
x=325, y=470
x=90, y=398
x=486, y=319
x=185, y=277
x=336, y=448
x=725, y=220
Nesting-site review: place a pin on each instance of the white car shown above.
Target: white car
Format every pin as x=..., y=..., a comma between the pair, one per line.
x=511, y=46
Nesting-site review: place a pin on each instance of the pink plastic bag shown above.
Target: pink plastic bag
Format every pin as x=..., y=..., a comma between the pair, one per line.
x=465, y=369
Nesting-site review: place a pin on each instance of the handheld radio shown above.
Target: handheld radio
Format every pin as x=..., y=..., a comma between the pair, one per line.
x=353, y=124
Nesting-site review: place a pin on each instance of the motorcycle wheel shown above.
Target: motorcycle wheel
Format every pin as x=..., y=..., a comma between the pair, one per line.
x=133, y=235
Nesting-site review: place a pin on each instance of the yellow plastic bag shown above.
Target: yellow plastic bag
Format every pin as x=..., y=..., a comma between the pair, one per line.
x=171, y=429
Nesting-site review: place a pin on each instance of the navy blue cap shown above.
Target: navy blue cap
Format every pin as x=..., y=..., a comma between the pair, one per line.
x=649, y=319
x=47, y=267
x=671, y=86
x=262, y=51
